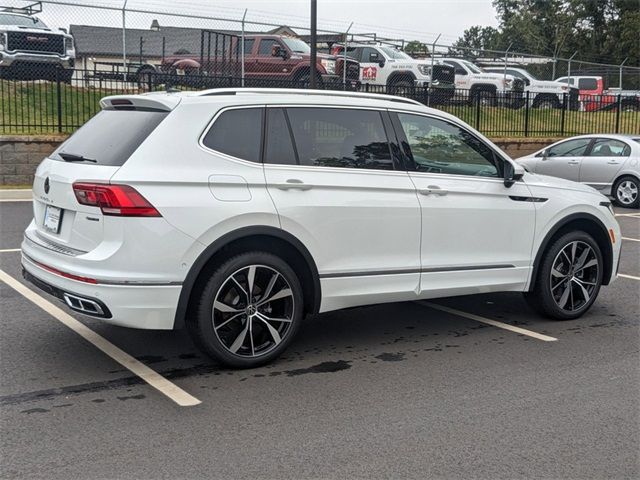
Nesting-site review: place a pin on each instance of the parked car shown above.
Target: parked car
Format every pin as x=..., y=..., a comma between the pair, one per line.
x=391, y=68
x=268, y=58
x=541, y=93
x=236, y=212
x=594, y=96
x=487, y=88
x=608, y=163
x=29, y=50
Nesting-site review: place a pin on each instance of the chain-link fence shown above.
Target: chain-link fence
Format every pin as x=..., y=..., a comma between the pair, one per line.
x=59, y=58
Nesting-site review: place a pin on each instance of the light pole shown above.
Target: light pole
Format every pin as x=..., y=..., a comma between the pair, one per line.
x=314, y=53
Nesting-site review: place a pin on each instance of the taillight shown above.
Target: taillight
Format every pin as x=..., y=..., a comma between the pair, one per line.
x=117, y=200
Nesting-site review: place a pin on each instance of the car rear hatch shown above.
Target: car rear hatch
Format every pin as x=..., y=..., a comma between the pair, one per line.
x=88, y=159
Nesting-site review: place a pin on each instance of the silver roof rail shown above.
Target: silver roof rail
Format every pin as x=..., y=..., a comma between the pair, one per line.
x=296, y=91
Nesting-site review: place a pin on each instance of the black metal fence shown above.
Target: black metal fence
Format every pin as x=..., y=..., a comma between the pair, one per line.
x=63, y=103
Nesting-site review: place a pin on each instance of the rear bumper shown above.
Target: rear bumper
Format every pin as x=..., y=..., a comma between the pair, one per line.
x=135, y=306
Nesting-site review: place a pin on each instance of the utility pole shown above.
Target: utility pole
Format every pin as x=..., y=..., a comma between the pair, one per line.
x=314, y=42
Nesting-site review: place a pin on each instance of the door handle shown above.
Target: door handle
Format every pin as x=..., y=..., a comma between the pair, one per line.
x=573, y=163
x=613, y=162
x=293, y=184
x=433, y=190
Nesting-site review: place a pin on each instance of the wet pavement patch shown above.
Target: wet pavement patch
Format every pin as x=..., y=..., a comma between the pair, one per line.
x=391, y=357
x=324, y=367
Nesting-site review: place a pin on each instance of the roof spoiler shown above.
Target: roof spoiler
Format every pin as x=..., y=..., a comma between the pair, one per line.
x=151, y=102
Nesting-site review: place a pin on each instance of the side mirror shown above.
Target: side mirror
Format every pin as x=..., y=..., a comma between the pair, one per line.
x=277, y=51
x=381, y=63
x=544, y=154
x=512, y=173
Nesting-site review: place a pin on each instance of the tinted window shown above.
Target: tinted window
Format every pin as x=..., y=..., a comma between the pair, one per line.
x=279, y=148
x=334, y=137
x=111, y=136
x=587, y=84
x=370, y=55
x=604, y=147
x=248, y=45
x=237, y=133
x=570, y=148
x=266, y=46
x=441, y=147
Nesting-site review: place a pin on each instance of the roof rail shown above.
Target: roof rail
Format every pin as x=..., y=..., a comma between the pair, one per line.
x=30, y=9
x=296, y=91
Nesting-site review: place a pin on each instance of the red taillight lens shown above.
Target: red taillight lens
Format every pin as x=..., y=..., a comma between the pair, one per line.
x=117, y=200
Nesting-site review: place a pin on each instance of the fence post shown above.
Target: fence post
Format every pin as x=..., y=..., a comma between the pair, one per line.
x=526, y=114
x=618, y=105
x=59, y=100
x=477, y=99
x=565, y=104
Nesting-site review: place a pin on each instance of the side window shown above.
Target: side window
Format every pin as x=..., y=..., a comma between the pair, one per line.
x=604, y=147
x=335, y=137
x=266, y=45
x=570, y=148
x=587, y=84
x=237, y=133
x=441, y=147
x=248, y=45
x=370, y=55
x=279, y=148
x=457, y=68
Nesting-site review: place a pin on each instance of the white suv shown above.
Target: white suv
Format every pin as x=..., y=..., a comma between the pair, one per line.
x=237, y=212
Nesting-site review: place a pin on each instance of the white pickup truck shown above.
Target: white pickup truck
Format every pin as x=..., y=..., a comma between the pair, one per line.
x=386, y=66
x=486, y=88
x=30, y=50
x=544, y=94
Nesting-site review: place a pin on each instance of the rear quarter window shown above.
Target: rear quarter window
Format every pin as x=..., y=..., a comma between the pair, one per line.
x=238, y=133
x=111, y=136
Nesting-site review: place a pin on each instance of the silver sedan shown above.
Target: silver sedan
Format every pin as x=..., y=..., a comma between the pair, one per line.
x=608, y=163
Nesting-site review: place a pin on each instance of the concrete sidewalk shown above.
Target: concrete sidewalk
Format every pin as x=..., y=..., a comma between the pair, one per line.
x=15, y=194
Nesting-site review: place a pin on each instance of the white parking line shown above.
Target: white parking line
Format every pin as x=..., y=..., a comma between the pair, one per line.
x=8, y=250
x=631, y=239
x=10, y=200
x=150, y=376
x=628, y=276
x=488, y=321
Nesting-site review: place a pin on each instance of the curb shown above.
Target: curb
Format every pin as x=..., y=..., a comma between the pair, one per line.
x=17, y=194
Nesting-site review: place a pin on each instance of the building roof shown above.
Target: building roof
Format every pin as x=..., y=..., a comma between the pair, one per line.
x=91, y=40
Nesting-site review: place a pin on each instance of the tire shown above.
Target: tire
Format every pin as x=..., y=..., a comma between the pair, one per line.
x=145, y=77
x=304, y=81
x=401, y=88
x=547, y=103
x=630, y=107
x=486, y=98
x=246, y=334
x=568, y=279
x=626, y=192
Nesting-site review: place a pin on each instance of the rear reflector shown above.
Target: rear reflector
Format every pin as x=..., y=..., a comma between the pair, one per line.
x=71, y=276
x=115, y=200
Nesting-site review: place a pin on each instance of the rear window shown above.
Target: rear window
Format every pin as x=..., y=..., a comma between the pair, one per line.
x=588, y=84
x=111, y=136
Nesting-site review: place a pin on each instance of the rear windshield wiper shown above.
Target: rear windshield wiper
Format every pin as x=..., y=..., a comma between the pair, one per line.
x=72, y=157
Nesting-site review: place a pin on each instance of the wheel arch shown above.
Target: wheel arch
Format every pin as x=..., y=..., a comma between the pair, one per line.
x=265, y=238
x=578, y=221
x=483, y=86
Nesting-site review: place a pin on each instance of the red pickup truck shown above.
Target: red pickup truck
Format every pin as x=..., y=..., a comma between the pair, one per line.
x=594, y=97
x=269, y=60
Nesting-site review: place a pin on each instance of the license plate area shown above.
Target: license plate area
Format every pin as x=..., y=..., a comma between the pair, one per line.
x=52, y=219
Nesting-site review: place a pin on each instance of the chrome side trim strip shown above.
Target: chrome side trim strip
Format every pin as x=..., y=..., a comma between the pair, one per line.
x=414, y=270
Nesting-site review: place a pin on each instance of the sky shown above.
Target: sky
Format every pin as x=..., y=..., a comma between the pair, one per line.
x=409, y=19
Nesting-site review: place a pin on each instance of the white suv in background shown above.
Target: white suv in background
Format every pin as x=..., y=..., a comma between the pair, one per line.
x=238, y=212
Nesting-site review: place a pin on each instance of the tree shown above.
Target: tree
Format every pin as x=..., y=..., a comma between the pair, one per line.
x=475, y=39
x=415, y=47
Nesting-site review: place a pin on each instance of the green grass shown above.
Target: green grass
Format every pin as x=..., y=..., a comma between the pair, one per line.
x=32, y=108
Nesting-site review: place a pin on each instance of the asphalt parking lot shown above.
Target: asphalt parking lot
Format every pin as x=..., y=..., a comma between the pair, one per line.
x=411, y=390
